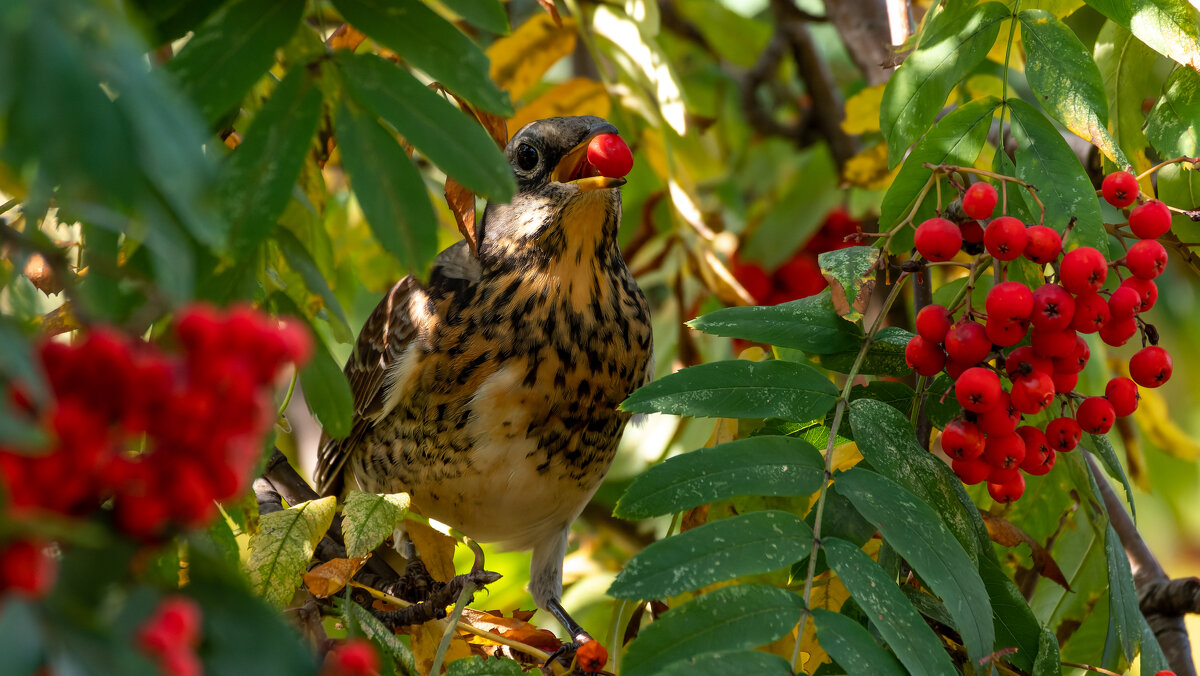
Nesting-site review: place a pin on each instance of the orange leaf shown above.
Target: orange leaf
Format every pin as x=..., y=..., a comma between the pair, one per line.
x=345, y=37
x=331, y=577
x=513, y=628
x=552, y=10
x=462, y=204
x=1003, y=532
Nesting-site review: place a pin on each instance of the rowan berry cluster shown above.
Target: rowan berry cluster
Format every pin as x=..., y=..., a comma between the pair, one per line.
x=800, y=276
x=156, y=436
x=170, y=636
x=1029, y=348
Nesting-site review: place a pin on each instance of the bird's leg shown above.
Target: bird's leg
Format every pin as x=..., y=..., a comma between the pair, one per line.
x=578, y=635
x=545, y=584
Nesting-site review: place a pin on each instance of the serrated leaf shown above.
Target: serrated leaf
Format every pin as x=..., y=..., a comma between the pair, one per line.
x=1066, y=80
x=738, y=389
x=916, y=532
x=302, y=262
x=885, y=357
x=953, y=44
x=1169, y=27
x=955, y=139
x=725, y=663
x=283, y=546
x=375, y=630
x=429, y=42
x=328, y=392
x=851, y=268
x=449, y=138
x=808, y=324
x=892, y=615
x=369, y=519
x=1171, y=126
x=388, y=187
x=729, y=618
x=232, y=50
x=852, y=646
x=489, y=15
x=478, y=666
x=1122, y=594
x=1045, y=160
x=747, y=544
x=761, y=465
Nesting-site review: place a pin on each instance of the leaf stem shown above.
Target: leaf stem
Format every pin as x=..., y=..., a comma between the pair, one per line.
x=1160, y=165
x=1012, y=30
x=1032, y=189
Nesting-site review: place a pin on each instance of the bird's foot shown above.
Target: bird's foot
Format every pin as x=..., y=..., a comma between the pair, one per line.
x=416, y=585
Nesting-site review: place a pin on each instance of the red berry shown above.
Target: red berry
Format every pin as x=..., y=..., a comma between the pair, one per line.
x=1004, y=451
x=1033, y=393
x=933, y=321
x=1064, y=382
x=1026, y=355
x=1009, y=300
x=979, y=201
x=1006, y=333
x=609, y=154
x=972, y=232
x=1124, y=302
x=1150, y=367
x=1007, y=491
x=1005, y=238
x=978, y=389
x=1095, y=415
x=971, y=471
x=1039, y=457
x=1118, y=331
x=27, y=569
x=1165, y=672
x=591, y=657
x=937, y=239
x=1083, y=270
x=1063, y=433
x=962, y=440
x=1146, y=259
x=800, y=277
x=753, y=279
x=1091, y=313
x=1043, y=245
x=1053, y=308
x=1123, y=393
x=182, y=663
x=1150, y=220
x=1146, y=289
x=1000, y=419
x=1076, y=360
x=1053, y=343
x=356, y=657
x=967, y=343
x=924, y=356
x=1120, y=189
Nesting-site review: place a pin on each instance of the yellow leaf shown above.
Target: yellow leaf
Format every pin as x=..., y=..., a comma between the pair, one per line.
x=520, y=60
x=980, y=86
x=424, y=642
x=846, y=456
x=578, y=96
x=869, y=169
x=436, y=549
x=862, y=111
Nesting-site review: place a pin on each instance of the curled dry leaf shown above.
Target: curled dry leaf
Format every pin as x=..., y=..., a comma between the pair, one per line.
x=516, y=628
x=462, y=204
x=332, y=576
x=60, y=320
x=1003, y=532
x=552, y=10
x=42, y=275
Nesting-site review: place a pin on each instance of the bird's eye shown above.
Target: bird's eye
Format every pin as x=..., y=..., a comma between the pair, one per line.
x=527, y=156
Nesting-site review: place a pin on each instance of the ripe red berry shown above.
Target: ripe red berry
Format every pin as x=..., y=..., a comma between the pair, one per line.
x=609, y=154
x=1053, y=308
x=1040, y=464
x=1076, y=360
x=1000, y=419
x=1007, y=491
x=978, y=389
x=937, y=239
x=924, y=356
x=967, y=342
x=1026, y=355
x=1146, y=259
x=962, y=440
x=1083, y=270
x=1123, y=393
x=753, y=279
x=979, y=201
x=1064, y=382
x=1096, y=415
x=27, y=569
x=1037, y=450
x=1118, y=331
x=1005, y=238
x=1150, y=220
x=1009, y=301
x=1032, y=393
x=933, y=321
x=181, y=663
x=1053, y=343
x=971, y=471
x=1124, y=302
x=1004, y=451
x=355, y=657
x=1006, y=333
x=1091, y=313
x=591, y=657
x=1120, y=189
x=972, y=234
x=1147, y=290
x=1150, y=367
x=1043, y=245
x=1063, y=434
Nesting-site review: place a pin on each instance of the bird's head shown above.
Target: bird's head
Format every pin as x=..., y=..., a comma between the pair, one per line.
x=562, y=197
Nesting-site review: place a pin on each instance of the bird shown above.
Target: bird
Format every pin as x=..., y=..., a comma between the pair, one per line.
x=491, y=393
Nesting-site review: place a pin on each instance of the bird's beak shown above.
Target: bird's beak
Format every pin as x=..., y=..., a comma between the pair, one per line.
x=575, y=168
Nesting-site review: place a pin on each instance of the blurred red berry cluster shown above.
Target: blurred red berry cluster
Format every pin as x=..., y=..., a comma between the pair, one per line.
x=170, y=636
x=800, y=276
x=355, y=657
x=160, y=435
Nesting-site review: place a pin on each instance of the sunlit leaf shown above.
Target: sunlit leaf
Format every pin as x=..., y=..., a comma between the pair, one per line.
x=370, y=518
x=577, y=96
x=283, y=546
x=1125, y=63
x=519, y=60
x=1169, y=27
x=647, y=58
x=1171, y=126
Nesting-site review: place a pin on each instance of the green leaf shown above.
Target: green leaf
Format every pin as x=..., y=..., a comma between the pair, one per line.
x=1016, y=625
x=1044, y=159
x=1180, y=187
x=232, y=50
x=851, y=267
x=1122, y=595
x=327, y=392
x=283, y=546
x=1152, y=658
x=1171, y=126
x=761, y=465
x=429, y=42
x=489, y=15
x=20, y=637
x=478, y=666
x=1048, y=662
x=1066, y=80
x=852, y=647
x=1103, y=448
x=729, y=618
x=302, y=262
x=810, y=324
x=738, y=389
x=456, y=143
x=257, y=181
x=1126, y=65
x=955, y=139
x=731, y=662
x=1169, y=27
x=952, y=45
x=747, y=544
x=885, y=357
x=898, y=623
x=372, y=628
x=370, y=518
x=230, y=646
x=914, y=529
x=388, y=187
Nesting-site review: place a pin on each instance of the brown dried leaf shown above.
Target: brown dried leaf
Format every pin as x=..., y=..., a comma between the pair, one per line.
x=332, y=576
x=552, y=10
x=436, y=549
x=515, y=628
x=59, y=320
x=1003, y=532
x=345, y=37
x=43, y=277
x=462, y=204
